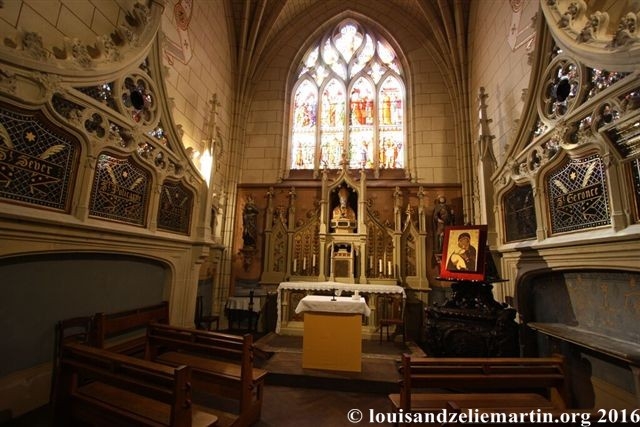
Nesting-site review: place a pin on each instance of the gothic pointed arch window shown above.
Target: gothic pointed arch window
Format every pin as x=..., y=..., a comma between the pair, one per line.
x=348, y=103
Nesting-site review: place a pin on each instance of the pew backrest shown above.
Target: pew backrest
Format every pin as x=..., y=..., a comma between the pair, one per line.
x=125, y=331
x=161, y=338
x=221, y=364
x=83, y=366
x=484, y=374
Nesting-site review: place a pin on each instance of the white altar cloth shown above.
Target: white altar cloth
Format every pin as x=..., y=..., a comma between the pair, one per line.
x=323, y=303
x=339, y=287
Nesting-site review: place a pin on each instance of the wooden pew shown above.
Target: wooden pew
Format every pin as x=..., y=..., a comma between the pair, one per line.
x=75, y=329
x=222, y=364
x=125, y=331
x=481, y=383
x=101, y=388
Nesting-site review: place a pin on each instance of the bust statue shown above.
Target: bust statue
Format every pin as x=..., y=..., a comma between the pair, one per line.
x=343, y=211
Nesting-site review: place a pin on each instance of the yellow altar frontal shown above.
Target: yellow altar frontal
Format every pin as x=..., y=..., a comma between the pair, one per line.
x=332, y=338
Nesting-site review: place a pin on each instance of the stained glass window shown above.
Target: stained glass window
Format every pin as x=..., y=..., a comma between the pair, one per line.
x=348, y=103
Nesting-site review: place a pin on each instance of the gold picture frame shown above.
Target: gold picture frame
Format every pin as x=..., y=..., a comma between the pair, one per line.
x=464, y=252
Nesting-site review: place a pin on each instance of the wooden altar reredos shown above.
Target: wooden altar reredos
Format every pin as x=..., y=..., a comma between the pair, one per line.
x=342, y=240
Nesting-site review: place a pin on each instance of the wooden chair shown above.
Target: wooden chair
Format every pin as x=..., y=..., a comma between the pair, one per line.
x=202, y=321
x=390, y=312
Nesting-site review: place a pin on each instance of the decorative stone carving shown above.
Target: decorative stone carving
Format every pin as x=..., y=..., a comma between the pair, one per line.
x=584, y=32
x=31, y=43
x=50, y=83
x=594, y=28
x=8, y=81
x=626, y=32
x=140, y=26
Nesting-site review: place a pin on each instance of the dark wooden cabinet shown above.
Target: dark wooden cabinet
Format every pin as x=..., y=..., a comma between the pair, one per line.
x=413, y=319
x=471, y=324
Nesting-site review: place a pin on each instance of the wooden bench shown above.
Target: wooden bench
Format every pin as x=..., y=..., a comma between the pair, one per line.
x=101, y=388
x=222, y=365
x=75, y=329
x=481, y=383
x=125, y=331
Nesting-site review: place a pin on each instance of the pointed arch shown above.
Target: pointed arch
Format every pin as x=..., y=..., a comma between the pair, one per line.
x=352, y=70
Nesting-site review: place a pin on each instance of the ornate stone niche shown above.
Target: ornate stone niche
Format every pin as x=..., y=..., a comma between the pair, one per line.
x=342, y=216
x=344, y=207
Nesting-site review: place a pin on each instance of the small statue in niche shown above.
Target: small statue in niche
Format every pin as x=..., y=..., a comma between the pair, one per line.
x=442, y=217
x=249, y=224
x=343, y=211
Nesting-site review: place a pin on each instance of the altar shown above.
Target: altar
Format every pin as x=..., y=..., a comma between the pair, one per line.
x=289, y=295
x=332, y=332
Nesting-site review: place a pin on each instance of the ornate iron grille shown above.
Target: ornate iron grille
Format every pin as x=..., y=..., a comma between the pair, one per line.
x=578, y=195
x=120, y=190
x=176, y=204
x=38, y=162
x=519, y=214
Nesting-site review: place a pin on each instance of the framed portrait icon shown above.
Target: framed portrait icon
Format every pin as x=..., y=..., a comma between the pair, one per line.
x=464, y=252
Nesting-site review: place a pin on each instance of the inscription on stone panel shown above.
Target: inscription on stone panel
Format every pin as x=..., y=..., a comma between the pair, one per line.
x=120, y=190
x=37, y=162
x=578, y=195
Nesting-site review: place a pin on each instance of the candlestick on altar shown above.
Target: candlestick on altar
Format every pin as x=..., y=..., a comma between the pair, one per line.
x=389, y=268
x=295, y=265
x=313, y=260
x=380, y=265
x=304, y=264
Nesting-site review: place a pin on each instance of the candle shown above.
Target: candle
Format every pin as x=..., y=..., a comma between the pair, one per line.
x=313, y=260
x=389, y=268
x=295, y=265
x=304, y=263
x=370, y=261
x=380, y=265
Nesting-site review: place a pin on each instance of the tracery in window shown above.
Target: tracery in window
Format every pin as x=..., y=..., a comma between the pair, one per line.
x=348, y=103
